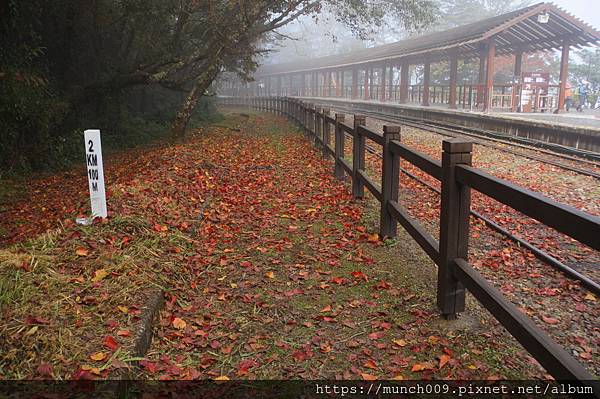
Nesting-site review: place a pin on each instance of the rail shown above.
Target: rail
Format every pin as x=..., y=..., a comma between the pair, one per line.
x=458, y=177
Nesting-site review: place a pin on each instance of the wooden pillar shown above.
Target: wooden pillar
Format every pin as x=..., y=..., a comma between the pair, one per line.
x=382, y=83
x=489, y=76
x=404, y=82
x=453, y=79
x=338, y=91
x=341, y=81
x=481, y=77
x=564, y=75
x=325, y=83
x=366, y=93
x=279, y=85
x=517, y=80
x=391, y=82
x=370, y=81
x=426, y=80
x=354, y=93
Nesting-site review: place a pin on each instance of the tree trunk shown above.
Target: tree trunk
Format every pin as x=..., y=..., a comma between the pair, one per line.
x=200, y=86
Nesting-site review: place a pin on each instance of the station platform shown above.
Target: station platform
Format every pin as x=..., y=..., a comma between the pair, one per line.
x=587, y=118
x=574, y=118
x=578, y=130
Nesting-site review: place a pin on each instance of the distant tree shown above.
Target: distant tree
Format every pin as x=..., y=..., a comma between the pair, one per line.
x=585, y=65
x=453, y=13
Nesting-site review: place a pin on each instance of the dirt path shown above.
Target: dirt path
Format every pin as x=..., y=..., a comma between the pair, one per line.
x=269, y=269
x=292, y=283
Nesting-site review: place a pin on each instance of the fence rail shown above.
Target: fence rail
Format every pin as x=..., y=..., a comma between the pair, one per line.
x=450, y=250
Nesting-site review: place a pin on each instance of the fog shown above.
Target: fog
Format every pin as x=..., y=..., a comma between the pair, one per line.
x=308, y=37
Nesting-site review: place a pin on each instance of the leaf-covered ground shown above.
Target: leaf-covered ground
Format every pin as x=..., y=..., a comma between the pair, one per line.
x=269, y=268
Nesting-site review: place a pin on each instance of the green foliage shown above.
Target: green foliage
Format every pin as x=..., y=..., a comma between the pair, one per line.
x=588, y=67
x=136, y=68
x=453, y=13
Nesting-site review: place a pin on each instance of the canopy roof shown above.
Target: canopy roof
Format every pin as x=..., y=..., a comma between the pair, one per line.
x=518, y=30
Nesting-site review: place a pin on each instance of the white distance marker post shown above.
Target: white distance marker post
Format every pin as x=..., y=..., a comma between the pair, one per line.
x=93, y=157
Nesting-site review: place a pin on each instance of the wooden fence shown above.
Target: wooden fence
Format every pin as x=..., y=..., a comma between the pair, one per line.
x=458, y=177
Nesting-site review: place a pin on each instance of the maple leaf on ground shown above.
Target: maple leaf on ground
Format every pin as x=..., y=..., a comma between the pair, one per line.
x=36, y=320
x=98, y=356
x=151, y=367
x=370, y=364
x=110, y=343
x=368, y=377
x=82, y=252
x=338, y=280
x=550, y=320
x=44, y=369
x=99, y=275
x=443, y=360
x=418, y=367
x=299, y=355
x=359, y=275
x=160, y=228
x=179, y=324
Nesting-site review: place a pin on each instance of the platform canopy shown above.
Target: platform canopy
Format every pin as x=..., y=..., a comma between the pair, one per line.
x=539, y=27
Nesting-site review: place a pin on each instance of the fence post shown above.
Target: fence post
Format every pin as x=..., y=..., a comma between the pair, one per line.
x=294, y=110
x=358, y=157
x=339, y=146
x=309, y=118
x=301, y=115
x=318, y=124
x=454, y=226
x=305, y=119
x=312, y=120
x=326, y=136
x=390, y=174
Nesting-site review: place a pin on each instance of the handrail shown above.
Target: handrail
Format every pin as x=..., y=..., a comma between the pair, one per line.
x=427, y=164
x=370, y=134
x=566, y=219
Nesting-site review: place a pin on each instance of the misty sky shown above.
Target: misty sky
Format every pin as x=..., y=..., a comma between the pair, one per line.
x=587, y=10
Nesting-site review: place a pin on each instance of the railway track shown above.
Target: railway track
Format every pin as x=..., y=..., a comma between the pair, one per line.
x=540, y=254
x=484, y=140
